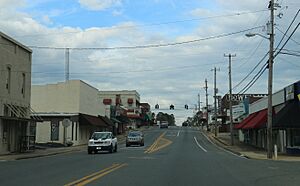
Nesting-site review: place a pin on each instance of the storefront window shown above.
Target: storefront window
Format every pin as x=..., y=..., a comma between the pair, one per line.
x=54, y=131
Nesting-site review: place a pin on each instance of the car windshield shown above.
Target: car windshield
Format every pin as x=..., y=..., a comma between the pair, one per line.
x=102, y=136
x=134, y=134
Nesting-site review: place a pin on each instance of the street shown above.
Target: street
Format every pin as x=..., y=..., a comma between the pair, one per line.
x=173, y=156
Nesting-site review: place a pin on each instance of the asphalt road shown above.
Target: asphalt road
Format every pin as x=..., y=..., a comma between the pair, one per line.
x=174, y=156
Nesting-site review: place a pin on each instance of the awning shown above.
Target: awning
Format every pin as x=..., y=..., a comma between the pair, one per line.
x=257, y=121
x=115, y=120
x=91, y=120
x=107, y=121
x=288, y=117
x=245, y=121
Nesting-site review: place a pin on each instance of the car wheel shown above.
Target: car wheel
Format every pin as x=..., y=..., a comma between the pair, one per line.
x=142, y=144
x=127, y=145
x=116, y=148
x=89, y=152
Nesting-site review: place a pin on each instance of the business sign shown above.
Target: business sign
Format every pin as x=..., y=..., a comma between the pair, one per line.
x=297, y=91
x=289, y=92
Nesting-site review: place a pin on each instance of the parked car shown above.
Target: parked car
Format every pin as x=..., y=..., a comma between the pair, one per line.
x=102, y=141
x=135, y=138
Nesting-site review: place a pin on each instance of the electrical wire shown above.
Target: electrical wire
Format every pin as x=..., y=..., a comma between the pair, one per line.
x=298, y=43
x=287, y=29
x=146, y=46
x=151, y=24
x=262, y=70
x=290, y=54
x=263, y=58
x=254, y=79
x=293, y=32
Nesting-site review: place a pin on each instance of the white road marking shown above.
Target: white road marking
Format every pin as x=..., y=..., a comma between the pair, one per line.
x=199, y=145
x=178, y=133
x=240, y=156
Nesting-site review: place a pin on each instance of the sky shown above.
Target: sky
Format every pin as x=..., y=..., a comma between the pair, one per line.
x=97, y=30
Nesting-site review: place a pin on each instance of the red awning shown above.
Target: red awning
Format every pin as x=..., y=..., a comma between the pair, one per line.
x=258, y=121
x=107, y=101
x=245, y=121
x=130, y=100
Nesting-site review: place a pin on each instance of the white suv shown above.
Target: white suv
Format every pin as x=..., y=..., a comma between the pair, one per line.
x=102, y=141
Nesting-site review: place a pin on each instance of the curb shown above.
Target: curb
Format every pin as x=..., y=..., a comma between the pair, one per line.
x=47, y=154
x=226, y=148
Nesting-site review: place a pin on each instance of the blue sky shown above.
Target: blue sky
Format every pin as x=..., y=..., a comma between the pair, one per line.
x=165, y=75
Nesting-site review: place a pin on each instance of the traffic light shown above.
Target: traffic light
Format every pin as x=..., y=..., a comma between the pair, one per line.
x=156, y=106
x=186, y=106
x=171, y=107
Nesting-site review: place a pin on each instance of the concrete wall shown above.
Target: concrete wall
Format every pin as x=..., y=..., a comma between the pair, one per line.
x=18, y=58
x=124, y=95
x=73, y=96
x=44, y=133
x=14, y=88
x=277, y=98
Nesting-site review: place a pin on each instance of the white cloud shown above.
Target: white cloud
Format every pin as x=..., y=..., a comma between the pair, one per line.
x=166, y=75
x=11, y=3
x=117, y=12
x=98, y=5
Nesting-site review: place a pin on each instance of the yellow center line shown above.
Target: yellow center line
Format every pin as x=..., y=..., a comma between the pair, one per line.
x=157, y=144
x=100, y=175
x=92, y=175
x=166, y=143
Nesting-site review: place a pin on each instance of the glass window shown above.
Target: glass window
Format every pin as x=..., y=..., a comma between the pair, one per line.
x=8, y=79
x=54, y=131
x=23, y=84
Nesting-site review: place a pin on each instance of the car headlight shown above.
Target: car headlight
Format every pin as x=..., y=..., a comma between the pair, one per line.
x=91, y=142
x=107, y=142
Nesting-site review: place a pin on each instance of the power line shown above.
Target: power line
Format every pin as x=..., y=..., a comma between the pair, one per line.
x=263, y=69
x=286, y=41
x=263, y=58
x=145, y=46
x=286, y=36
x=287, y=29
x=254, y=79
x=291, y=54
x=151, y=24
x=258, y=75
x=125, y=72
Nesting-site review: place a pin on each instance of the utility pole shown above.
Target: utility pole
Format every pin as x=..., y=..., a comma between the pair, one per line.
x=215, y=98
x=206, y=98
x=199, y=107
x=199, y=102
x=270, y=82
x=67, y=64
x=230, y=97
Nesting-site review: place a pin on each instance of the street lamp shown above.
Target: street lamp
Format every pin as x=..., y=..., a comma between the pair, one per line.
x=254, y=34
x=270, y=80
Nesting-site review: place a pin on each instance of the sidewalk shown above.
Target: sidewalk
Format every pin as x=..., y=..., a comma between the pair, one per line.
x=42, y=152
x=54, y=150
x=223, y=140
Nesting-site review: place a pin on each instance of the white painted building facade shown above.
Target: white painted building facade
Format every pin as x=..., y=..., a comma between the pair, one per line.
x=127, y=99
x=71, y=100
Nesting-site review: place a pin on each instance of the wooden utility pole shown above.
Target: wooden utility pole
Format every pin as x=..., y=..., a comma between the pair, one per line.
x=230, y=97
x=206, y=99
x=270, y=82
x=215, y=98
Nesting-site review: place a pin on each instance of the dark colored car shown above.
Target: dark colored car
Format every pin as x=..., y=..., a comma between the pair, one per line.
x=135, y=138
